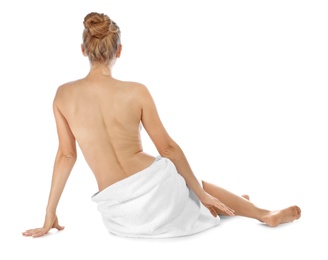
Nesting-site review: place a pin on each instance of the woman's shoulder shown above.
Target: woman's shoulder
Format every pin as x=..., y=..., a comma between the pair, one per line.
x=133, y=84
x=136, y=88
x=69, y=84
x=66, y=88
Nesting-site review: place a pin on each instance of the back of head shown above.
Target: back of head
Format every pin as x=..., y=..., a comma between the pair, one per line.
x=101, y=38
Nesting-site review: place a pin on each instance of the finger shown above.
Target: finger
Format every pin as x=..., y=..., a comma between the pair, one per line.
x=230, y=211
x=59, y=227
x=213, y=212
x=226, y=209
x=30, y=232
x=27, y=234
x=40, y=234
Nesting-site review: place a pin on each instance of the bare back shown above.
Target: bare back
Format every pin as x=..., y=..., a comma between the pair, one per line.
x=104, y=116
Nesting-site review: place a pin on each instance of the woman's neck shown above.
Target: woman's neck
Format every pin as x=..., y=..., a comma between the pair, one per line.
x=101, y=69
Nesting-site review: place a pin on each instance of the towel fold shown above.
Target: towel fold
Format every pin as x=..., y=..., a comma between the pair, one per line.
x=153, y=203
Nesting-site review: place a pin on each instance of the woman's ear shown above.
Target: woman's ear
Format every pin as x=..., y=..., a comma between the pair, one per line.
x=83, y=50
x=119, y=50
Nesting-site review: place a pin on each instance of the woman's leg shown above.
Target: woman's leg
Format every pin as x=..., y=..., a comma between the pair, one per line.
x=243, y=207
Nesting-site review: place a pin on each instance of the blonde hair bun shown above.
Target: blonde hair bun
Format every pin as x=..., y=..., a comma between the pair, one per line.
x=98, y=25
x=101, y=37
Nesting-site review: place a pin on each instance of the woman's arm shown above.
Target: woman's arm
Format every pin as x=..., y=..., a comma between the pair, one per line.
x=165, y=145
x=64, y=162
x=168, y=148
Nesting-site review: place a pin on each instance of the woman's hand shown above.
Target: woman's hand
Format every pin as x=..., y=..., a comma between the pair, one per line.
x=51, y=221
x=211, y=203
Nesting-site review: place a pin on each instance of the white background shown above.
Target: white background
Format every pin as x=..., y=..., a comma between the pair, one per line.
x=240, y=85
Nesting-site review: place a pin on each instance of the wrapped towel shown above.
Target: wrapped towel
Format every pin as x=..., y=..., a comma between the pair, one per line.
x=153, y=203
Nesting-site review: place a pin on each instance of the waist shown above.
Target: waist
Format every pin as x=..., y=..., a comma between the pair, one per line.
x=111, y=172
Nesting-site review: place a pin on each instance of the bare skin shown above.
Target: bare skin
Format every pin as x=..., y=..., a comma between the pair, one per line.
x=244, y=207
x=104, y=116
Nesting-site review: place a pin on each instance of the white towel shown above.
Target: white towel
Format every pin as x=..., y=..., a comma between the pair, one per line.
x=153, y=203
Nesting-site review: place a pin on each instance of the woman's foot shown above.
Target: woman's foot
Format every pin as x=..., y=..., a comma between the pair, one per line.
x=274, y=218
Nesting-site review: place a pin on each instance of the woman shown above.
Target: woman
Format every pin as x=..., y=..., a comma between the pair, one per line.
x=139, y=195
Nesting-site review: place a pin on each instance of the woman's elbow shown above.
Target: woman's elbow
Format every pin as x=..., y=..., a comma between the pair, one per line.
x=165, y=152
x=67, y=156
x=70, y=157
x=170, y=151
